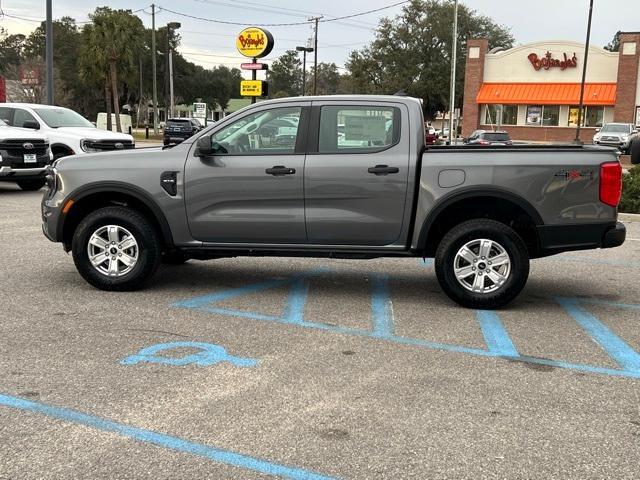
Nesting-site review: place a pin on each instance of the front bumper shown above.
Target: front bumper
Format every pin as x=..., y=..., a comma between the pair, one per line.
x=8, y=173
x=564, y=238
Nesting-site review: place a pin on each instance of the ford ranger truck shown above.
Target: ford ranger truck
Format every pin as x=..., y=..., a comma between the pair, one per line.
x=338, y=177
x=24, y=157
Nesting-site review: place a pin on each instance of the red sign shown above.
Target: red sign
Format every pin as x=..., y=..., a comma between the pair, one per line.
x=3, y=90
x=548, y=61
x=30, y=77
x=254, y=66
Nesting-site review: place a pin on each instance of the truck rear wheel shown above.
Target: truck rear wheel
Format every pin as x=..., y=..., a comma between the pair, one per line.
x=482, y=264
x=116, y=248
x=31, y=185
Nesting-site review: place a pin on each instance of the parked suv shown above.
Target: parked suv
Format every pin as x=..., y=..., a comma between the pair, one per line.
x=616, y=135
x=69, y=133
x=24, y=157
x=177, y=130
x=488, y=137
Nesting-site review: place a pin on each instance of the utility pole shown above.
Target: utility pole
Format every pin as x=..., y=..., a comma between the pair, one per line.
x=170, y=28
x=140, y=94
x=304, y=51
x=153, y=61
x=315, y=52
x=584, y=75
x=452, y=88
x=49, y=53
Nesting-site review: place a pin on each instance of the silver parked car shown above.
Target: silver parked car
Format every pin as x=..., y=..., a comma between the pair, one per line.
x=615, y=135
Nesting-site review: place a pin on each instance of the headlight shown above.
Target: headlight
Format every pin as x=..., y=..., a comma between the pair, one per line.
x=50, y=153
x=51, y=179
x=86, y=146
x=624, y=138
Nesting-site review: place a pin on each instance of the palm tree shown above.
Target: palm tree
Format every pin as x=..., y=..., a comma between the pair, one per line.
x=113, y=42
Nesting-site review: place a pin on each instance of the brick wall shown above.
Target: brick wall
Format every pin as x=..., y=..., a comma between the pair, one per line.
x=547, y=134
x=473, y=77
x=627, y=78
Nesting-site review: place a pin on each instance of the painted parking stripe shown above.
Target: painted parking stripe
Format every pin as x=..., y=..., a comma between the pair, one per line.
x=381, y=308
x=495, y=335
x=614, y=346
x=162, y=440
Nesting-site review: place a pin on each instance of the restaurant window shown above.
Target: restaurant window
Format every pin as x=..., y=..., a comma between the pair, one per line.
x=509, y=115
x=594, y=117
x=551, y=115
x=534, y=115
x=591, y=116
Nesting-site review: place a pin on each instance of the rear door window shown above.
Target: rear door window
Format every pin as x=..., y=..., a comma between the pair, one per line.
x=497, y=137
x=6, y=115
x=358, y=129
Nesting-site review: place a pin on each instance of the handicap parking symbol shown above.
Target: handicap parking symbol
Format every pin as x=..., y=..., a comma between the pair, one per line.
x=208, y=354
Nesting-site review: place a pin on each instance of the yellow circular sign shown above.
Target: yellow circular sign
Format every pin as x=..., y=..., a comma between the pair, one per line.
x=254, y=42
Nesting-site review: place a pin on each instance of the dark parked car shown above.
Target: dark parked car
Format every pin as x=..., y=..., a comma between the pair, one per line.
x=488, y=137
x=177, y=130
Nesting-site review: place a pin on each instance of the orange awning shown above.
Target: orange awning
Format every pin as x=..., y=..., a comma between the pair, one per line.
x=547, y=93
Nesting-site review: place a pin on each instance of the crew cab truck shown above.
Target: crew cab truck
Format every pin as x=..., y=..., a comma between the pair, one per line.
x=24, y=157
x=367, y=189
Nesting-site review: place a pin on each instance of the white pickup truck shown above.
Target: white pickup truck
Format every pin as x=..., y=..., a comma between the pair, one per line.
x=24, y=157
x=68, y=132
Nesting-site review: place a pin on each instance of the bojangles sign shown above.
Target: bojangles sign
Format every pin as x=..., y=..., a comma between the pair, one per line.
x=547, y=62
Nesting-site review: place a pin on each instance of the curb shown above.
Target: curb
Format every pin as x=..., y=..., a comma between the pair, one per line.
x=629, y=217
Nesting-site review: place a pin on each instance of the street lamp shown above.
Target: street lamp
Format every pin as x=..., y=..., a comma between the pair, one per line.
x=171, y=26
x=304, y=51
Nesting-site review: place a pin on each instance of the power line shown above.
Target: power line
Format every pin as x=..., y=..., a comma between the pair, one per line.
x=324, y=20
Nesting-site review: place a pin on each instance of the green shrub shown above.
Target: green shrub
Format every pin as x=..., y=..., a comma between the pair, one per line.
x=630, y=202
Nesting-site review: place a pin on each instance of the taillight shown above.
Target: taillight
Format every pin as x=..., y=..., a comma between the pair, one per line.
x=610, y=183
x=484, y=142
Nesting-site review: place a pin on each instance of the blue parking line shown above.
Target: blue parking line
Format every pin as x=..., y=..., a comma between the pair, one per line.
x=294, y=311
x=614, y=346
x=495, y=335
x=162, y=440
x=381, y=310
x=607, y=303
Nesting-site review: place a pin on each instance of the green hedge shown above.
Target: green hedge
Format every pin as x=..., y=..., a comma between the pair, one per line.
x=630, y=202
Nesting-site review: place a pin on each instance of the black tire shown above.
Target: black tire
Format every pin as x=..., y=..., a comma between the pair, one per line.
x=174, y=257
x=634, y=150
x=32, y=184
x=149, y=248
x=467, y=232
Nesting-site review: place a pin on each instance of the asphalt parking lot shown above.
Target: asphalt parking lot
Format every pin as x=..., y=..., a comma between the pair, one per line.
x=314, y=368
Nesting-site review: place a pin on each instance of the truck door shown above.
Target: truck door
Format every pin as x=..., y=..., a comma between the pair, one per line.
x=356, y=173
x=251, y=189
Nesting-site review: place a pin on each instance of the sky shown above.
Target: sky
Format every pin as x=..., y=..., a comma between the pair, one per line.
x=209, y=44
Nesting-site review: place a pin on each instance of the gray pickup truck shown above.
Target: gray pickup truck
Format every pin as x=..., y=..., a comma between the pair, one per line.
x=338, y=177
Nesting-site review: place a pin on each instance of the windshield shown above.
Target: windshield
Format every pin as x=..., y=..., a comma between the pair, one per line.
x=62, y=117
x=613, y=128
x=497, y=137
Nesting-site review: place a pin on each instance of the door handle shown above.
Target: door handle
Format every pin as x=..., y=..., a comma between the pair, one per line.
x=383, y=170
x=280, y=170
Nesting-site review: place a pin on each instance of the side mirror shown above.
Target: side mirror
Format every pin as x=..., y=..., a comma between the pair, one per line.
x=204, y=147
x=32, y=125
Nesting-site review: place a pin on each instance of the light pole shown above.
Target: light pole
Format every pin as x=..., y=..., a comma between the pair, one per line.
x=49, y=53
x=452, y=89
x=153, y=69
x=584, y=75
x=304, y=51
x=170, y=28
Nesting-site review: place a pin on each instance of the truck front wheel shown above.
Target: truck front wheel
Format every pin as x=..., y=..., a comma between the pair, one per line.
x=482, y=264
x=116, y=248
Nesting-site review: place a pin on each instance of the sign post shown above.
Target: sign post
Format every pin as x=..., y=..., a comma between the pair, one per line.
x=254, y=43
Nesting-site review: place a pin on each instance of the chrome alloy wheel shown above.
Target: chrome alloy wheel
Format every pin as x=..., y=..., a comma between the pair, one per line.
x=482, y=266
x=113, y=251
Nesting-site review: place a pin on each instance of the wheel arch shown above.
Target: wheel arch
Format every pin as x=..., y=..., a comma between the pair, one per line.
x=511, y=209
x=60, y=147
x=97, y=195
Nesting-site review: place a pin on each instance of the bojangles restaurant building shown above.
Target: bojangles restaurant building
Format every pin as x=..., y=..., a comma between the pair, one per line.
x=533, y=90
